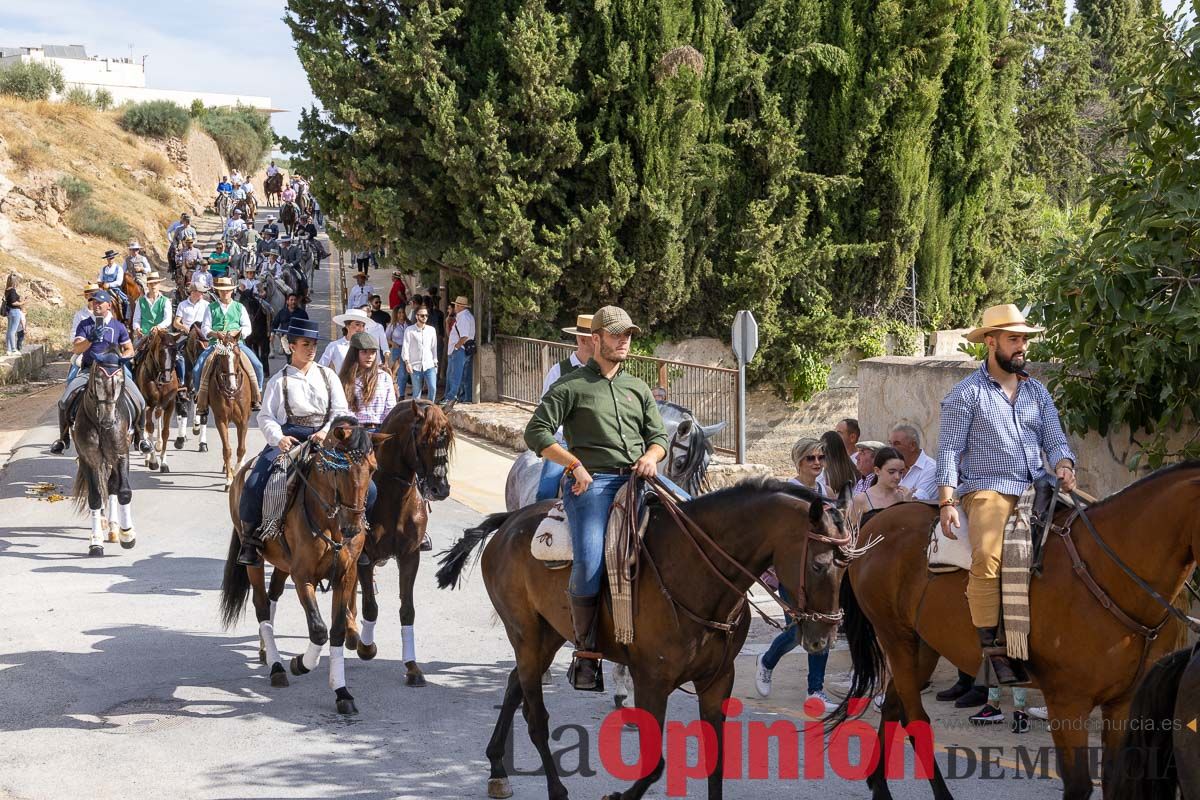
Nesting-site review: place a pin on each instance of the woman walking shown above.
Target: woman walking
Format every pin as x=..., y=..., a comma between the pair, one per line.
x=15, y=311
x=370, y=392
x=839, y=469
x=809, y=457
x=885, y=490
x=395, y=339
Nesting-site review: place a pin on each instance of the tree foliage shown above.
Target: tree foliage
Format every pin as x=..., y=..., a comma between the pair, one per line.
x=31, y=80
x=1123, y=306
x=157, y=118
x=243, y=134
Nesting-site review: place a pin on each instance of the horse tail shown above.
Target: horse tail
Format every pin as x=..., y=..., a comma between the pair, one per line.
x=1144, y=769
x=235, y=585
x=866, y=658
x=82, y=487
x=455, y=559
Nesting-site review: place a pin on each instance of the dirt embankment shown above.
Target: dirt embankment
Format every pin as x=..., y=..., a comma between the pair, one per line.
x=74, y=184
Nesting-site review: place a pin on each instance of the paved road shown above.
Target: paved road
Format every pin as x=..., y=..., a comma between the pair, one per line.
x=116, y=679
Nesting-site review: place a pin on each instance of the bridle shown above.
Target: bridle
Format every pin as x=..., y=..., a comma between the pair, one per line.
x=337, y=461
x=416, y=468
x=229, y=389
x=110, y=375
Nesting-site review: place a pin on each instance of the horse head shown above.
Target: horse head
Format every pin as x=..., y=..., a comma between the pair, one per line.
x=421, y=442
x=160, y=353
x=340, y=470
x=106, y=384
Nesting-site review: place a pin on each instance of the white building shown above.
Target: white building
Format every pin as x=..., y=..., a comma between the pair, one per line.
x=124, y=78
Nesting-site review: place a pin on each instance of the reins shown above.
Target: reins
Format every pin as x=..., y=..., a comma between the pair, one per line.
x=331, y=460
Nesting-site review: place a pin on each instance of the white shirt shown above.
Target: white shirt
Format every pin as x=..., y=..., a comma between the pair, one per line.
x=202, y=278
x=272, y=171
x=380, y=335
x=359, y=296
x=420, y=347
x=189, y=312
x=137, y=264
x=464, y=325
x=248, y=284
x=235, y=178
x=239, y=193
x=396, y=334
x=335, y=354
x=822, y=489
x=306, y=395
x=555, y=372
x=249, y=187
x=235, y=226
x=137, y=314
x=206, y=326
x=921, y=478
x=80, y=316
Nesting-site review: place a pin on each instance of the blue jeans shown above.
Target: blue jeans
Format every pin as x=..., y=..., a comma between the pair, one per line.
x=422, y=379
x=786, y=642
x=551, y=477
x=587, y=516
x=15, y=336
x=455, y=368
x=198, y=370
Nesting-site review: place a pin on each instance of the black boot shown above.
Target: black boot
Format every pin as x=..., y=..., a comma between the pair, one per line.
x=961, y=687
x=251, y=553
x=64, y=432
x=585, y=673
x=139, y=433
x=997, y=668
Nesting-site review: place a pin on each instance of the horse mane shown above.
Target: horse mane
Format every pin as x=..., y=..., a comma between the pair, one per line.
x=436, y=425
x=1161, y=472
x=359, y=439
x=749, y=488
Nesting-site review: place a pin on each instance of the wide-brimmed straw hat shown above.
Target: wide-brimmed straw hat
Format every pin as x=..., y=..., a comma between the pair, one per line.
x=135, y=245
x=1005, y=318
x=353, y=315
x=153, y=277
x=583, y=326
x=223, y=284
x=461, y=301
x=91, y=287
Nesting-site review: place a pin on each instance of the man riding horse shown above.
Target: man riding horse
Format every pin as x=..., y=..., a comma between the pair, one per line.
x=995, y=426
x=153, y=310
x=112, y=279
x=137, y=264
x=103, y=338
x=226, y=321
x=612, y=429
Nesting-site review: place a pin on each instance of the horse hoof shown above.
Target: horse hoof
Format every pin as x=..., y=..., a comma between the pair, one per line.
x=195, y=431
x=279, y=677
x=619, y=700
x=204, y=447
x=499, y=788
x=164, y=468
x=298, y=667
x=95, y=551
x=367, y=651
x=414, y=679
x=351, y=642
x=111, y=537
x=128, y=539
x=179, y=442
x=346, y=706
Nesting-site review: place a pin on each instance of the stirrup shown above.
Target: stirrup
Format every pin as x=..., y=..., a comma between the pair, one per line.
x=581, y=662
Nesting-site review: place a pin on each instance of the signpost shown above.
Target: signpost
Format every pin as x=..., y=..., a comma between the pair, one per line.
x=745, y=345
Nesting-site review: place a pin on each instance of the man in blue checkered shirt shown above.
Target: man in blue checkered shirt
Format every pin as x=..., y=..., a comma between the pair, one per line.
x=996, y=425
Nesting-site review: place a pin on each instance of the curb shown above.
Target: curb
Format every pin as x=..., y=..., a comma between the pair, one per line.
x=26, y=366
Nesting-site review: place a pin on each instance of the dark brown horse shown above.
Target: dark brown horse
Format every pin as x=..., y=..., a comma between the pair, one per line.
x=1082, y=656
x=272, y=186
x=413, y=469
x=289, y=217
x=159, y=384
x=321, y=540
x=101, y=435
x=229, y=400
x=1160, y=756
x=691, y=617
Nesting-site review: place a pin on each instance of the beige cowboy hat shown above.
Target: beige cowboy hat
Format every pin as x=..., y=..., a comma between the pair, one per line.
x=223, y=284
x=153, y=277
x=461, y=301
x=583, y=326
x=353, y=315
x=135, y=245
x=91, y=287
x=1006, y=318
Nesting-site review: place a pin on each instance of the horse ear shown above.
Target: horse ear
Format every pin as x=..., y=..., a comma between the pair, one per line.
x=379, y=438
x=816, y=511
x=341, y=433
x=418, y=409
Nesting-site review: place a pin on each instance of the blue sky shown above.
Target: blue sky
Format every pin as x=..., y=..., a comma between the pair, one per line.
x=206, y=45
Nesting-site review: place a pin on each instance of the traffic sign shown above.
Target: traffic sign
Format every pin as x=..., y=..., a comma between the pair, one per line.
x=745, y=336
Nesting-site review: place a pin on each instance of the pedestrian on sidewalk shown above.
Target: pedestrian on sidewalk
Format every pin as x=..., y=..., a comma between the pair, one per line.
x=420, y=355
x=14, y=308
x=395, y=339
x=460, y=341
x=398, y=296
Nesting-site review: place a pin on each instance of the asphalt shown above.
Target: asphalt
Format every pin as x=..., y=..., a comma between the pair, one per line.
x=116, y=678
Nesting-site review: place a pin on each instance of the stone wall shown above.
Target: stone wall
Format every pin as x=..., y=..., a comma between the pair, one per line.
x=894, y=389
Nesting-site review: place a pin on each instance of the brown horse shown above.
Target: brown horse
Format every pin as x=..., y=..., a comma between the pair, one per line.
x=273, y=186
x=159, y=384
x=320, y=540
x=123, y=313
x=691, y=617
x=289, y=217
x=413, y=469
x=187, y=411
x=229, y=400
x=1081, y=656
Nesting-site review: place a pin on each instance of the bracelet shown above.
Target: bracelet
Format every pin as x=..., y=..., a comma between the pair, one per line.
x=574, y=465
x=951, y=502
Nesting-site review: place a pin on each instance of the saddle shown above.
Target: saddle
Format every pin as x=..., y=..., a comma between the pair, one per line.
x=551, y=543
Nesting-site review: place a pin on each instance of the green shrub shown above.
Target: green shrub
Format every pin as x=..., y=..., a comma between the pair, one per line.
x=90, y=220
x=243, y=135
x=157, y=118
x=156, y=162
x=103, y=99
x=79, y=96
x=31, y=81
x=197, y=109
x=77, y=189
x=28, y=155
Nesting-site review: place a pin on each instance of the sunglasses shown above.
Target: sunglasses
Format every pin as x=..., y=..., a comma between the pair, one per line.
x=814, y=459
x=422, y=316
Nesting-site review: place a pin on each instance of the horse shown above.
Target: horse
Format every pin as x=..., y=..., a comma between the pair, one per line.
x=1156, y=760
x=896, y=610
x=186, y=412
x=229, y=397
x=123, y=312
x=413, y=469
x=259, y=340
x=309, y=257
x=248, y=207
x=688, y=456
x=101, y=435
x=295, y=282
x=321, y=538
x=289, y=216
x=691, y=615
x=273, y=186
x=156, y=378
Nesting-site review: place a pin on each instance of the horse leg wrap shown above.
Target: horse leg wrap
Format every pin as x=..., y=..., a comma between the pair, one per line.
x=337, y=668
x=274, y=603
x=97, y=526
x=366, y=636
x=267, y=631
x=125, y=515
x=312, y=656
x=410, y=648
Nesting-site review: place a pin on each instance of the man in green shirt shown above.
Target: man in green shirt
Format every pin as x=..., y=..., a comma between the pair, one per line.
x=612, y=428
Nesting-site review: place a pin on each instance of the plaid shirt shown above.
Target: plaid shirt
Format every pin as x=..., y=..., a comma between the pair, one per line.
x=986, y=442
x=380, y=405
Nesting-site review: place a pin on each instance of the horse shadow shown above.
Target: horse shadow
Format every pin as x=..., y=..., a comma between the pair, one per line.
x=158, y=573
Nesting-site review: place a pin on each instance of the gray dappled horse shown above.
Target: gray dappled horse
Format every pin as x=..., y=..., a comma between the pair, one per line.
x=689, y=453
x=101, y=435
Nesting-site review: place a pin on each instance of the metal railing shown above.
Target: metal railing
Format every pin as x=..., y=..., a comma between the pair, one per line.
x=709, y=392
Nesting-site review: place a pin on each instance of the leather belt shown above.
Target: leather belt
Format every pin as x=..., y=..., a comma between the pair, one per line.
x=612, y=471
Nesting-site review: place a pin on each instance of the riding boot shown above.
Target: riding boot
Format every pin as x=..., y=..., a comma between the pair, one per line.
x=139, y=433
x=997, y=668
x=585, y=673
x=250, y=555
x=64, y=430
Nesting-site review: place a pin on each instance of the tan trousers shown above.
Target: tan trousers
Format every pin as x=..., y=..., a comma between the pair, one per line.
x=987, y=513
x=248, y=371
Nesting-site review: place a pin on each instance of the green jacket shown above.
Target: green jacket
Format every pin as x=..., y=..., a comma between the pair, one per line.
x=607, y=424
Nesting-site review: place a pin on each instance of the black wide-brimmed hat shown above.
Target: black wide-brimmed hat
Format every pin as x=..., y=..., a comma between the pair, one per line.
x=306, y=328
x=110, y=254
